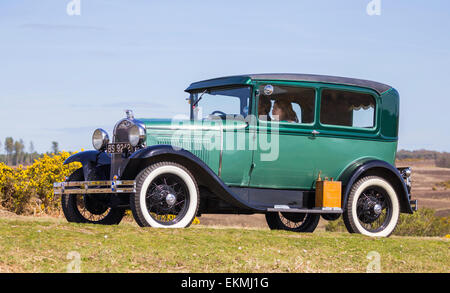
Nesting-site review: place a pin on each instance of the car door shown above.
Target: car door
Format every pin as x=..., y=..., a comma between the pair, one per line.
x=226, y=109
x=236, y=157
x=286, y=151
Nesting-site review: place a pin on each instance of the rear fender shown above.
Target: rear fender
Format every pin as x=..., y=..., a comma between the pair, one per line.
x=378, y=168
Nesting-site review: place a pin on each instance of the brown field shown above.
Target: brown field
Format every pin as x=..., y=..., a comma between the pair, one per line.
x=424, y=177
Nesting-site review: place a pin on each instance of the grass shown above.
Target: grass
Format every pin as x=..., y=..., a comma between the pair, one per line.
x=29, y=245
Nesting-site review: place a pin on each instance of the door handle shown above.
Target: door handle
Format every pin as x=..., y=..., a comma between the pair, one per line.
x=315, y=132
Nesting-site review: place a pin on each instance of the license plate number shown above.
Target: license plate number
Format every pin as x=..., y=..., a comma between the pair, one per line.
x=119, y=148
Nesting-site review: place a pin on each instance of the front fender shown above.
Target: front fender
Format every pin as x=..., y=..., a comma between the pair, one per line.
x=376, y=167
x=96, y=165
x=96, y=157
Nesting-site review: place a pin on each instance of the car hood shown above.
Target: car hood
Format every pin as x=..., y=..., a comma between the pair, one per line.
x=189, y=124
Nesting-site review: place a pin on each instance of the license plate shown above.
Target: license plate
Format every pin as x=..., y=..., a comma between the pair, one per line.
x=119, y=148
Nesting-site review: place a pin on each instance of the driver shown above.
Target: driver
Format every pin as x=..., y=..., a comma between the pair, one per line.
x=264, y=107
x=283, y=111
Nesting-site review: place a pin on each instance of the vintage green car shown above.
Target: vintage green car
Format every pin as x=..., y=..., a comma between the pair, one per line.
x=254, y=143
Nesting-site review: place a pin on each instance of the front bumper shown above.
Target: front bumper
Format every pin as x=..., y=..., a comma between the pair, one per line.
x=405, y=173
x=414, y=205
x=95, y=187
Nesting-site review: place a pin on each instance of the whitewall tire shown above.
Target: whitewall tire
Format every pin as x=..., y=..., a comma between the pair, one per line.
x=167, y=196
x=372, y=208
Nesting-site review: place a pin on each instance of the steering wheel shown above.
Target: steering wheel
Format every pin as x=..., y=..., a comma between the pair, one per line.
x=218, y=112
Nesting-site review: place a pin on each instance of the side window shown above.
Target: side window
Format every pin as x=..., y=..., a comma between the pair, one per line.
x=286, y=104
x=344, y=108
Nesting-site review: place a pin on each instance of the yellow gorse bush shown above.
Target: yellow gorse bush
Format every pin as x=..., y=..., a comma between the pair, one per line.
x=27, y=189
x=13, y=187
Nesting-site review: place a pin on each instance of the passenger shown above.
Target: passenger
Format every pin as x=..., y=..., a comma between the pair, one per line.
x=264, y=107
x=283, y=111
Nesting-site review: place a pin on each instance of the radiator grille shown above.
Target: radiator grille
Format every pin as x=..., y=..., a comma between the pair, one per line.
x=196, y=146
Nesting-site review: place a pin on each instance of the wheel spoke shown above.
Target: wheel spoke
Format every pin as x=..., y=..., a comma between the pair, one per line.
x=368, y=216
x=161, y=210
x=86, y=213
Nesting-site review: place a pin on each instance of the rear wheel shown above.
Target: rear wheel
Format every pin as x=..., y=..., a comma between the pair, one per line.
x=94, y=209
x=331, y=217
x=373, y=208
x=167, y=196
x=295, y=222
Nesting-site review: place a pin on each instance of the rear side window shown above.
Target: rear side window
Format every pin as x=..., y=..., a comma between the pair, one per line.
x=344, y=108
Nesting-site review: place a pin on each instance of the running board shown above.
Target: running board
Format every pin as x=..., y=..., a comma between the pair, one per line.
x=307, y=211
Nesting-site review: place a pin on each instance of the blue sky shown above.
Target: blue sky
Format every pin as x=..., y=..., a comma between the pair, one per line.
x=63, y=76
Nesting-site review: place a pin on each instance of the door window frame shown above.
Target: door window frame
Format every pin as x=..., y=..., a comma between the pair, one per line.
x=286, y=127
x=339, y=130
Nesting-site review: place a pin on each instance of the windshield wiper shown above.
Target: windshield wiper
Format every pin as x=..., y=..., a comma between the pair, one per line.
x=198, y=100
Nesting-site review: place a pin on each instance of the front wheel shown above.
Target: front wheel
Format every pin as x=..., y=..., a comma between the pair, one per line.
x=373, y=208
x=166, y=196
x=93, y=209
x=305, y=223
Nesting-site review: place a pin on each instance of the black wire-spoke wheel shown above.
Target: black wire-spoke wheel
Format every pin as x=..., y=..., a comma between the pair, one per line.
x=166, y=196
x=372, y=208
x=167, y=199
x=292, y=220
x=296, y=222
x=94, y=209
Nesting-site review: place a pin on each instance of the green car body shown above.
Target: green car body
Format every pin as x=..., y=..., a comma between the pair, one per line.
x=245, y=162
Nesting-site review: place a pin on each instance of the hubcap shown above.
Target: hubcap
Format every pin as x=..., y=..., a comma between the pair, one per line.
x=377, y=209
x=171, y=199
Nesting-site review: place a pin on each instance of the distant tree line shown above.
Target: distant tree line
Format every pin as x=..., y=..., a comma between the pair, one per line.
x=16, y=154
x=441, y=159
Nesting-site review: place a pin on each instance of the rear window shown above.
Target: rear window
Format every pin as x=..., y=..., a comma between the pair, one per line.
x=344, y=108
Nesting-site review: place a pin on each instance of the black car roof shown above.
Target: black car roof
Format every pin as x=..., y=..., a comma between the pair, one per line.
x=247, y=78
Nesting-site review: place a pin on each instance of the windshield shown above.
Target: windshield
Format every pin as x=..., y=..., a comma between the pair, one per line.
x=220, y=103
